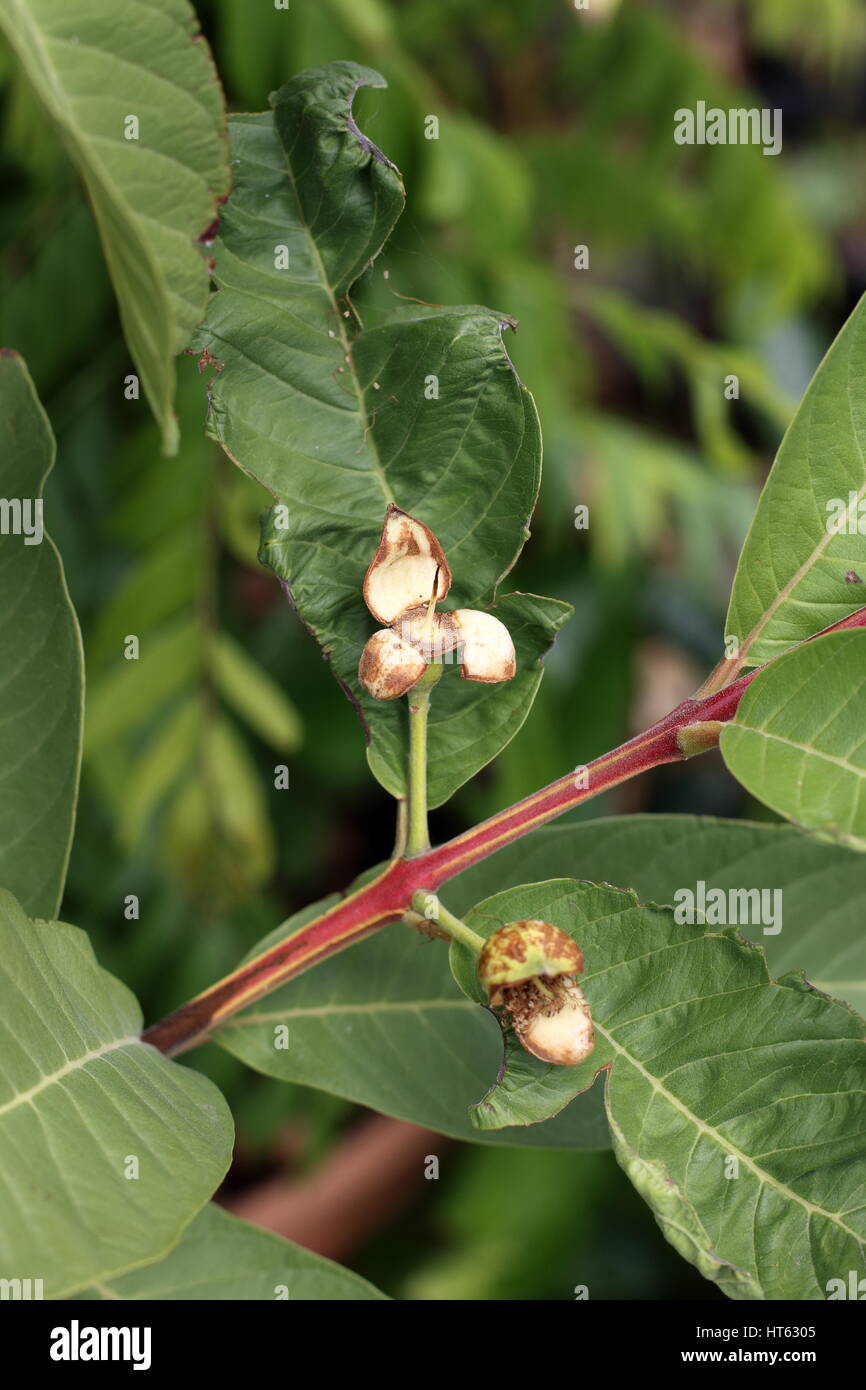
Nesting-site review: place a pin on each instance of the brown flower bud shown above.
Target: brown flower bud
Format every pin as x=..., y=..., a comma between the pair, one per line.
x=487, y=649
x=389, y=666
x=522, y=951
x=528, y=968
x=406, y=568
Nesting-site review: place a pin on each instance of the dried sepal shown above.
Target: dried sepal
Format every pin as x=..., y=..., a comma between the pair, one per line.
x=487, y=650
x=389, y=666
x=408, y=565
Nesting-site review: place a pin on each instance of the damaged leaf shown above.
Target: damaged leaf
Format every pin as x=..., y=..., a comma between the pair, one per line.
x=422, y=414
x=735, y=1100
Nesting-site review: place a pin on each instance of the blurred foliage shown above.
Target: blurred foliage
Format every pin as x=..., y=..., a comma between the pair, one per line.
x=555, y=132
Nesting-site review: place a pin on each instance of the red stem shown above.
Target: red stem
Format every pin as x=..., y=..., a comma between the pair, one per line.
x=387, y=897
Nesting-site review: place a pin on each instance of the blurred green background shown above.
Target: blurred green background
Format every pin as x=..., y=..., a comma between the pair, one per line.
x=555, y=131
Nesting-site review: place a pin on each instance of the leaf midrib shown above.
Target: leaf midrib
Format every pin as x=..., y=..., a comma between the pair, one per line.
x=724, y=1143
x=75, y=1064
x=808, y=748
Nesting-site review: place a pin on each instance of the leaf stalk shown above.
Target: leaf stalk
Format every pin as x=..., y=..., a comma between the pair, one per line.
x=427, y=905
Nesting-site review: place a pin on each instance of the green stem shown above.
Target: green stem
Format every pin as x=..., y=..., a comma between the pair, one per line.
x=400, y=829
x=428, y=905
x=417, y=834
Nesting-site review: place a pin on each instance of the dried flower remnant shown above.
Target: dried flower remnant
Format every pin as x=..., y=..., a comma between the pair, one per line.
x=528, y=969
x=433, y=634
x=409, y=563
x=389, y=667
x=407, y=577
x=487, y=649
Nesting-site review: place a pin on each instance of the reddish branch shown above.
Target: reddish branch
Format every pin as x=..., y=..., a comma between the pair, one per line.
x=691, y=728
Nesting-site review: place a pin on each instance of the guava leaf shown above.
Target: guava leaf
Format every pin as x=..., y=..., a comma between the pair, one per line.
x=107, y=1149
x=221, y=1259
x=42, y=680
x=337, y=421
x=796, y=741
x=794, y=574
x=154, y=193
x=735, y=1101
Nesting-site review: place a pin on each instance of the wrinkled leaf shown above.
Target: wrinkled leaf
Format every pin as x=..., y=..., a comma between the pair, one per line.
x=221, y=1259
x=424, y=409
x=153, y=196
x=41, y=665
x=735, y=1101
x=81, y=1098
x=796, y=741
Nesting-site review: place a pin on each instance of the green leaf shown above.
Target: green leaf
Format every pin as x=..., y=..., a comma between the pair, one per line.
x=639, y=482
x=167, y=661
x=165, y=761
x=734, y=1100
x=154, y=591
x=221, y=1259
x=424, y=409
x=42, y=680
x=252, y=694
x=791, y=580
x=385, y=1026
x=823, y=887
x=153, y=196
x=225, y=810
x=796, y=741
x=81, y=1097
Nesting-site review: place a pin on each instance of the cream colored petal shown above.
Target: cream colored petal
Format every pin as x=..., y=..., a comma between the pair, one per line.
x=487, y=648
x=405, y=568
x=564, y=1038
x=389, y=666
